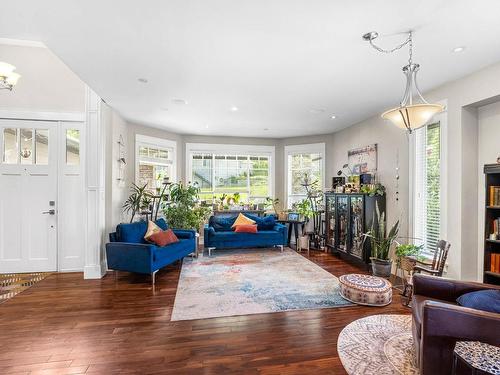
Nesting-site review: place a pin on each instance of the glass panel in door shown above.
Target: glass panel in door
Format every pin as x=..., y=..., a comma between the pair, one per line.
x=330, y=220
x=342, y=216
x=356, y=235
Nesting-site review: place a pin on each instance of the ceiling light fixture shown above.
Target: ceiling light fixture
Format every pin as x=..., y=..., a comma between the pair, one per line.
x=179, y=101
x=234, y=108
x=408, y=115
x=142, y=80
x=8, y=78
x=333, y=117
x=458, y=49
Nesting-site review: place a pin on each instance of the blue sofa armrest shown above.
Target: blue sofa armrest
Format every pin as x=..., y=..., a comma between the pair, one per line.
x=184, y=233
x=283, y=229
x=132, y=257
x=207, y=232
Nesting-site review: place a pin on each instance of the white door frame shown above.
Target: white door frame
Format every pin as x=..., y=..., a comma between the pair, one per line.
x=58, y=118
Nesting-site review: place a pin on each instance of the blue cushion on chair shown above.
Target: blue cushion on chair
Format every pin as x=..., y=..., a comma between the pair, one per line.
x=485, y=300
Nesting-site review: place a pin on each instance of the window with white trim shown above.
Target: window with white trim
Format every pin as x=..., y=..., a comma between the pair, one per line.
x=230, y=169
x=155, y=161
x=427, y=182
x=301, y=161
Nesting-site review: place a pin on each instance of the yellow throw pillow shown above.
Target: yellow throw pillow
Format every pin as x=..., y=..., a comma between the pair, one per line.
x=152, y=229
x=242, y=220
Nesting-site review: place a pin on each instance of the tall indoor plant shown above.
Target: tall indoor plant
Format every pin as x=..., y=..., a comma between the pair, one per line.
x=184, y=211
x=381, y=244
x=137, y=201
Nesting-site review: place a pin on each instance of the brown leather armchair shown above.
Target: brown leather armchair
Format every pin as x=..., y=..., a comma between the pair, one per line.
x=439, y=322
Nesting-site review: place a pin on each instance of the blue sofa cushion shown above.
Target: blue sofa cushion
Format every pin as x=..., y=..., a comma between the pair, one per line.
x=222, y=223
x=485, y=300
x=134, y=232
x=263, y=223
x=234, y=236
x=173, y=251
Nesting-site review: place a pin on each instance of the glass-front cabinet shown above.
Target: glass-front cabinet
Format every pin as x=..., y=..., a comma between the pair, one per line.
x=348, y=217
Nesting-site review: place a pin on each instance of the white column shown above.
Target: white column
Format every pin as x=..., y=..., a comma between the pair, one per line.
x=95, y=265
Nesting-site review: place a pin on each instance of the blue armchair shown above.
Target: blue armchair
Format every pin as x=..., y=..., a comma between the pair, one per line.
x=219, y=234
x=128, y=251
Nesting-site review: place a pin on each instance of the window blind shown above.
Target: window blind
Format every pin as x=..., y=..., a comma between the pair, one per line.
x=427, y=187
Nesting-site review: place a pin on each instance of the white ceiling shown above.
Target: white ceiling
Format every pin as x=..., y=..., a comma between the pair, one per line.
x=275, y=60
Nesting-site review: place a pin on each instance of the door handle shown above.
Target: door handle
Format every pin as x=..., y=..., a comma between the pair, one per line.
x=49, y=212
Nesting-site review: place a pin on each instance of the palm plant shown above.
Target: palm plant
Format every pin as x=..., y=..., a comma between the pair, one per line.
x=138, y=200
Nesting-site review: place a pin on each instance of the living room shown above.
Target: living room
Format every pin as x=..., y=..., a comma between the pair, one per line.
x=244, y=187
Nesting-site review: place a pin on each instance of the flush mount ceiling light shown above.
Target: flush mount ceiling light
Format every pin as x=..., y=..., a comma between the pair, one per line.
x=458, y=49
x=8, y=78
x=408, y=115
x=179, y=101
x=234, y=108
x=333, y=117
x=142, y=80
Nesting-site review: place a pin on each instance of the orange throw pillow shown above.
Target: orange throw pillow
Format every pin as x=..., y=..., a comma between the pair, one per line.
x=242, y=220
x=245, y=228
x=163, y=238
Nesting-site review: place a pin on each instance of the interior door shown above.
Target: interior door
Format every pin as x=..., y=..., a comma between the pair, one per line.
x=28, y=193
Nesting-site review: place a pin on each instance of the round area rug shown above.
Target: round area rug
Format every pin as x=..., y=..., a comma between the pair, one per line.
x=378, y=344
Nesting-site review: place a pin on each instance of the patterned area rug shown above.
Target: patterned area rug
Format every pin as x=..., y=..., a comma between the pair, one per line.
x=378, y=344
x=14, y=283
x=252, y=281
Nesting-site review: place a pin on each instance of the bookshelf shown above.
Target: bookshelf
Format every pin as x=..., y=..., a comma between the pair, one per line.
x=491, y=273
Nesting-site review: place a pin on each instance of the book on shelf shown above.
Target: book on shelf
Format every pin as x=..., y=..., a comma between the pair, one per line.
x=494, y=195
x=495, y=226
x=495, y=263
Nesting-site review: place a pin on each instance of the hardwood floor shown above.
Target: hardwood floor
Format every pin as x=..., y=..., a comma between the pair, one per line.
x=67, y=325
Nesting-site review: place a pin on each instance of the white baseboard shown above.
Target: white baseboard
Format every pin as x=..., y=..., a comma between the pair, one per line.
x=96, y=271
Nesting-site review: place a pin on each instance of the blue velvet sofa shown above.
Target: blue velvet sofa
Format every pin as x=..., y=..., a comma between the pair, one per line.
x=219, y=234
x=128, y=251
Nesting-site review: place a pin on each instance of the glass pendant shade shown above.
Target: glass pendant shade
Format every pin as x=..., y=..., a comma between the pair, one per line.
x=6, y=69
x=412, y=117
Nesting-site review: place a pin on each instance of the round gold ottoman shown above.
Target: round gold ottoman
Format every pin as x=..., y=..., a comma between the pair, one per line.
x=365, y=289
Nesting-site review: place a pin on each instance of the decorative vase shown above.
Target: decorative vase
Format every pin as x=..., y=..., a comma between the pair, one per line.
x=381, y=268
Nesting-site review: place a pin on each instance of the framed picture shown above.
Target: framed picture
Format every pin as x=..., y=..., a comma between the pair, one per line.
x=293, y=216
x=363, y=160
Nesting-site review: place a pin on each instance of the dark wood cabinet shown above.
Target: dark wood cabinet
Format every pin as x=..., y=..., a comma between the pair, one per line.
x=491, y=262
x=348, y=217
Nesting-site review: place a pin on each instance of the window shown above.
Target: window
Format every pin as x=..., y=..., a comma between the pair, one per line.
x=427, y=177
x=73, y=147
x=301, y=161
x=20, y=147
x=229, y=169
x=155, y=161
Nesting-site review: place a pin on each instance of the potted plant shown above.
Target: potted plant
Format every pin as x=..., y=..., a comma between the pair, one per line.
x=274, y=203
x=406, y=250
x=138, y=200
x=381, y=244
x=184, y=210
x=304, y=209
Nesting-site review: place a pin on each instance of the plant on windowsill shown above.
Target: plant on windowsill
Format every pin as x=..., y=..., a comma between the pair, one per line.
x=407, y=250
x=381, y=244
x=274, y=203
x=184, y=210
x=138, y=201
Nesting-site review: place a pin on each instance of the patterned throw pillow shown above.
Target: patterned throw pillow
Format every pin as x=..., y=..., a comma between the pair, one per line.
x=152, y=229
x=242, y=220
x=245, y=228
x=163, y=238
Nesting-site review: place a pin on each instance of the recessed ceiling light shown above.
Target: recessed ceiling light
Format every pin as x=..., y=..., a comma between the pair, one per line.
x=206, y=126
x=234, y=108
x=266, y=129
x=333, y=117
x=142, y=80
x=179, y=101
x=458, y=49
x=317, y=111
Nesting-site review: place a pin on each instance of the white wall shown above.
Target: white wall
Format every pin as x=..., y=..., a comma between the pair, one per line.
x=46, y=84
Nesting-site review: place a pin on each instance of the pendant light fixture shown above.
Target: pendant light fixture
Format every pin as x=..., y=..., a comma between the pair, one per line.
x=408, y=115
x=8, y=78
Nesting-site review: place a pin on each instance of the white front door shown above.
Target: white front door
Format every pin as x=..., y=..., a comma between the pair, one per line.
x=28, y=196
